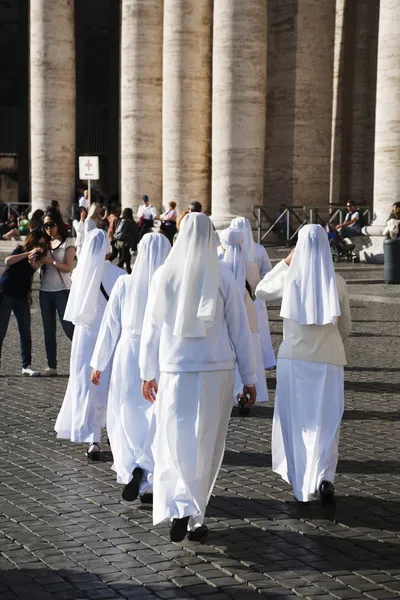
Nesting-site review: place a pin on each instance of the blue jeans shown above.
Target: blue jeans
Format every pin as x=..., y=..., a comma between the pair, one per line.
x=21, y=310
x=50, y=304
x=350, y=232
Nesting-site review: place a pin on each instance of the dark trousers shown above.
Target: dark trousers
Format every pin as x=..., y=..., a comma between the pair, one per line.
x=50, y=304
x=114, y=252
x=124, y=255
x=20, y=308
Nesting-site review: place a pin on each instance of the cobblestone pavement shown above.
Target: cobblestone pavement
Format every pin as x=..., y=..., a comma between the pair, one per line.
x=66, y=534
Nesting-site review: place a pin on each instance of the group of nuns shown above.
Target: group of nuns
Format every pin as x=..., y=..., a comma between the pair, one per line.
x=158, y=357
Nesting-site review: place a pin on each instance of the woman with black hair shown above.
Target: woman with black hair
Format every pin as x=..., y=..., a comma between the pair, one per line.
x=15, y=289
x=55, y=284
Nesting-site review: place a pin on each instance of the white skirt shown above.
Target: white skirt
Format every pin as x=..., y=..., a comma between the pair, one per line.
x=261, y=385
x=130, y=423
x=192, y=411
x=309, y=406
x=83, y=412
x=267, y=350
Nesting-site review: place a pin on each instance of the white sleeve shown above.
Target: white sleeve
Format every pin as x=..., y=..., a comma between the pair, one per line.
x=140, y=212
x=344, y=321
x=154, y=212
x=271, y=287
x=239, y=332
x=150, y=340
x=266, y=265
x=110, y=330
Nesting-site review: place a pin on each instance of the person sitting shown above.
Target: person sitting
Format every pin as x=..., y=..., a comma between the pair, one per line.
x=392, y=229
x=337, y=244
x=23, y=223
x=11, y=231
x=352, y=224
x=36, y=219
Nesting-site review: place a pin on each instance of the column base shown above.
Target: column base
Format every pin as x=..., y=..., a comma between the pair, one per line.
x=372, y=250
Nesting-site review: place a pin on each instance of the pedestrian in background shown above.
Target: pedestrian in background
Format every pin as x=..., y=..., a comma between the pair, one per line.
x=168, y=221
x=55, y=283
x=79, y=226
x=126, y=239
x=15, y=293
x=113, y=218
x=94, y=218
x=146, y=214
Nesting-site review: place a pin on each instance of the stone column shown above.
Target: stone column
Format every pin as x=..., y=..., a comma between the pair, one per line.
x=313, y=110
x=238, y=107
x=187, y=101
x=52, y=103
x=141, y=101
x=387, y=130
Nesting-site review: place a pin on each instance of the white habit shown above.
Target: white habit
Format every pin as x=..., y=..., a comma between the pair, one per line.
x=196, y=326
x=130, y=423
x=83, y=412
x=310, y=379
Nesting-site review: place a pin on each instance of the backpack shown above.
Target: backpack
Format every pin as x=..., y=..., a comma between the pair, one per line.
x=127, y=232
x=363, y=220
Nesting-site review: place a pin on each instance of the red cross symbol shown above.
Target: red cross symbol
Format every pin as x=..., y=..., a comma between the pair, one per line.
x=88, y=165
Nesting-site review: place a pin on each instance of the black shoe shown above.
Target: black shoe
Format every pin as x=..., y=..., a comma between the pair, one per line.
x=244, y=410
x=178, y=529
x=198, y=535
x=326, y=493
x=93, y=455
x=146, y=498
x=131, y=490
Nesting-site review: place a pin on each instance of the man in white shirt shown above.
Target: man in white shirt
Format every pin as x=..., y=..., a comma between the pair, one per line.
x=351, y=226
x=146, y=215
x=84, y=200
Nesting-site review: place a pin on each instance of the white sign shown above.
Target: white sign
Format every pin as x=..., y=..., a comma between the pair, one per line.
x=89, y=167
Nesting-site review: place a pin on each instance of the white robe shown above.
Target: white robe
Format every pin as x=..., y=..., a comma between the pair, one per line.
x=83, y=412
x=130, y=422
x=263, y=263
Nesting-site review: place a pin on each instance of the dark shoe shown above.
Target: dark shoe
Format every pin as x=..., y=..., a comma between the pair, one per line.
x=326, y=493
x=93, y=455
x=131, y=490
x=178, y=529
x=244, y=410
x=146, y=498
x=200, y=534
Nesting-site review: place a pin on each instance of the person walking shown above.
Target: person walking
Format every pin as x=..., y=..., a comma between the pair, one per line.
x=126, y=239
x=195, y=327
x=310, y=371
x=79, y=227
x=130, y=422
x=146, y=215
x=83, y=412
x=168, y=221
x=15, y=293
x=55, y=283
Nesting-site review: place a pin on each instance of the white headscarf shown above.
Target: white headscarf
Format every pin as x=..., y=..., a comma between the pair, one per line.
x=84, y=295
x=235, y=256
x=244, y=225
x=189, y=283
x=153, y=249
x=310, y=296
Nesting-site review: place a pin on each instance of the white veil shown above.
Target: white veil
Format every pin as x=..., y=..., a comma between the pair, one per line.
x=188, y=286
x=153, y=249
x=310, y=296
x=244, y=225
x=235, y=256
x=84, y=295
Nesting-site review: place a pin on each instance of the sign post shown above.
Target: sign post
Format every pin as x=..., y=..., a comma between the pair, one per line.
x=89, y=170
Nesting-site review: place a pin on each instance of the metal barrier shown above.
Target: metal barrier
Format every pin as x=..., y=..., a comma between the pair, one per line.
x=288, y=223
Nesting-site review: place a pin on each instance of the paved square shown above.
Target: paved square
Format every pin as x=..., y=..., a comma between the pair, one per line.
x=66, y=534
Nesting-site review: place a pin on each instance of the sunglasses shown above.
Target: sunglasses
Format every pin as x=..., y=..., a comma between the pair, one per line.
x=50, y=225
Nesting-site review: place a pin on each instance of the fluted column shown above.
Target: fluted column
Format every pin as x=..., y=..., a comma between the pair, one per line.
x=387, y=126
x=141, y=101
x=52, y=102
x=186, y=101
x=238, y=107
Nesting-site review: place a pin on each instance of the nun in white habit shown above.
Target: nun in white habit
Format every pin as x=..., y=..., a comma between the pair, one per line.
x=130, y=423
x=310, y=372
x=247, y=278
x=256, y=253
x=83, y=412
x=196, y=326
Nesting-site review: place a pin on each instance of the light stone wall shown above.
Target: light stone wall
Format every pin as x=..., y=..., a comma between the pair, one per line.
x=141, y=101
x=52, y=103
x=238, y=107
x=187, y=102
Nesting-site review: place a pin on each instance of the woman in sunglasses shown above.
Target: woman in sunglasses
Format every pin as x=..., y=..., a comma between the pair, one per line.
x=15, y=292
x=55, y=284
